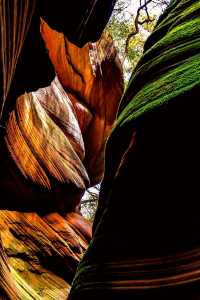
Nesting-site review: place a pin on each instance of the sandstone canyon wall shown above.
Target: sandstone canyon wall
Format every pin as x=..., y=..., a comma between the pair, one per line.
x=57, y=113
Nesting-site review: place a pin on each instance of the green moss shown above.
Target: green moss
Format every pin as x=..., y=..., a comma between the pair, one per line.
x=170, y=66
x=178, y=81
x=168, y=71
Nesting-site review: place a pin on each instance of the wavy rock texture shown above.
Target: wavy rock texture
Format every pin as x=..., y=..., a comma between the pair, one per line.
x=146, y=230
x=37, y=144
x=57, y=137
x=94, y=95
x=8, y=289
x=43, y=252
x=54, y=147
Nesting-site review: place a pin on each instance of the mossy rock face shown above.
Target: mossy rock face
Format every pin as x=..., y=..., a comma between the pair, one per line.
x=170, y=66
x=148, y=172
x=167, y=75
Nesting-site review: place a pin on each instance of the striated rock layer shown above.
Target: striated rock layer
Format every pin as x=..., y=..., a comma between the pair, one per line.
x=42, y=252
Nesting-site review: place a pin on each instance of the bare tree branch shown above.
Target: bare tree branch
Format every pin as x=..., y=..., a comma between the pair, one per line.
x=137, y=22
x=147, y=20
